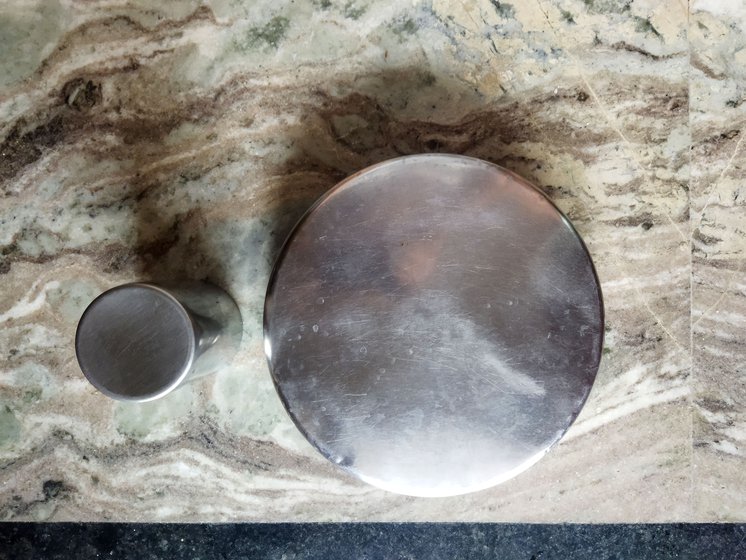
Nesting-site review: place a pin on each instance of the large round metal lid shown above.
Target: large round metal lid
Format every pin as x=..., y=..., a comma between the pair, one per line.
x=433, y=325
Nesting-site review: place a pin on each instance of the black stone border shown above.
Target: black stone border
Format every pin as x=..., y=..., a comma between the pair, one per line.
x=371, y=541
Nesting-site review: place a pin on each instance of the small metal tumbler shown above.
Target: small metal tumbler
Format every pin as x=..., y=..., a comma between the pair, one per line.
x=139, y=342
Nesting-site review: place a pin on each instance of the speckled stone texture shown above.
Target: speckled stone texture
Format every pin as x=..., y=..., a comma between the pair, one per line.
x=371, y=541
x=140, y=141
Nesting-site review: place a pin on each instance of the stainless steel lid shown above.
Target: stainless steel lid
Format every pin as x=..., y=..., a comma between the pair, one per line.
x=433, y=325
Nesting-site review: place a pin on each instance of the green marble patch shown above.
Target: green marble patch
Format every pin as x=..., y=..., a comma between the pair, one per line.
x=643, y=25
x=267, y=35
x=404, y=28
x=35, y=381
x=249, y=406
x=10, y=427
x=503, y=9
x=153, y=419
x=27, y=36
x=567, y=16
x=353, y=11
x=608, y=6
x=70, y=299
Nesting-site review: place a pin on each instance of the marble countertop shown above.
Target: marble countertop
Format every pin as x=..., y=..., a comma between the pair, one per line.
x=144, y=142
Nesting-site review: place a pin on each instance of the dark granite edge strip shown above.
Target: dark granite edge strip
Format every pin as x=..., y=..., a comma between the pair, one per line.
x=330, y=541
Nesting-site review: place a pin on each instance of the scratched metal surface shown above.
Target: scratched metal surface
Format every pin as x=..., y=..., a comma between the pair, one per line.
x=433, y=325
x=138, y=342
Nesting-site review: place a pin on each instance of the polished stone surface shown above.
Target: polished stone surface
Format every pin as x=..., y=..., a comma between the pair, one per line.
x=141, y=142
x=374, y=541
x=718, y=236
